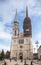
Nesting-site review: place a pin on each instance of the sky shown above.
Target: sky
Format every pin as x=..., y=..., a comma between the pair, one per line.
x=7, y=17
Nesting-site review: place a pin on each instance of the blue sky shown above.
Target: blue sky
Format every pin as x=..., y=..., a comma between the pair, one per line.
x=7, y=16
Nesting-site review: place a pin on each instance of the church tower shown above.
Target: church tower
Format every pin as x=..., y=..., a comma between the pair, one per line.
x=15, y=35
x=21, y=44
x=16, y=25
x=27, y=25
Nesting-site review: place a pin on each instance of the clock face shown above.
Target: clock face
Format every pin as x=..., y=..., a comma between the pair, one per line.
x=27, y=29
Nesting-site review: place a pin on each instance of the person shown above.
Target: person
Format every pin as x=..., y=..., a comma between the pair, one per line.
x=31, y=62
x=25, y=62
x=10, y=59
x=5, y=63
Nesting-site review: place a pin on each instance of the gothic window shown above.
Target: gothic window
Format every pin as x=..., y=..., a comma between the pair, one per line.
x=21, y=41
x=15, y=32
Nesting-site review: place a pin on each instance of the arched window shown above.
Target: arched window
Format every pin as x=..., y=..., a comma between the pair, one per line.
x=15, y=32
x=21, y=41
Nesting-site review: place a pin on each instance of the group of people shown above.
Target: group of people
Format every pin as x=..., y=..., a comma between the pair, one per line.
x=21, y=61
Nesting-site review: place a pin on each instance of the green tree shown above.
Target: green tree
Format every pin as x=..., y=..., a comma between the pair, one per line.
x=2, y=54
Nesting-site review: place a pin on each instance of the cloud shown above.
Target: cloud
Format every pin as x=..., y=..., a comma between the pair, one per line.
x=7, y=15
x=34, y=7
x=3, y=0
x=39, y=37
x=4, y=35
x=4, y=47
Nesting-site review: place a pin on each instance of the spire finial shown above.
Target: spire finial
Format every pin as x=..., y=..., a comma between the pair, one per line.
x=26, y=11
x=16, y=16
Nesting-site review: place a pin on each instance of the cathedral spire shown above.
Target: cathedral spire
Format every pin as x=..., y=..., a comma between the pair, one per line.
x=26, y=11
x=16, y=16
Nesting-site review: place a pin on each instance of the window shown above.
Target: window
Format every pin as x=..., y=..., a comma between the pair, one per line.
x=15, y=32
x=21, y=41
x=27, y=29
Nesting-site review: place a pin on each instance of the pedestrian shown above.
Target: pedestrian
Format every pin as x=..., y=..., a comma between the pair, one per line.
x=5, y=63
x=31, y=62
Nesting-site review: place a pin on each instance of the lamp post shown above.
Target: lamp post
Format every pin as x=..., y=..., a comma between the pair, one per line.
x=37, y=47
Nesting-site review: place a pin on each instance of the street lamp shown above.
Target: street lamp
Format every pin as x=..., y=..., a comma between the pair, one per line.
x=37, y=48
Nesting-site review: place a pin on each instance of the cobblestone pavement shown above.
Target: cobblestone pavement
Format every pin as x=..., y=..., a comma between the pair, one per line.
x=18, y=62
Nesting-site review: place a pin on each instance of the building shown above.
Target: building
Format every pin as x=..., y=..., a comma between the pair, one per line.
x=35, y=55
x=39, y=53
x=21, y=45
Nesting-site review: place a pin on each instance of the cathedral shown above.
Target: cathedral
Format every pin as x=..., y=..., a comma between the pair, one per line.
x=21, y=43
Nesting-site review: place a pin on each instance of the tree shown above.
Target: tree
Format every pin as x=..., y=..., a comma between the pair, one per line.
x=2, y=54
x=8, y=54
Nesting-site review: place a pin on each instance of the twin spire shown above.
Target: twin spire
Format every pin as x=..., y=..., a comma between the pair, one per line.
x=26, y=11
x=16, y=16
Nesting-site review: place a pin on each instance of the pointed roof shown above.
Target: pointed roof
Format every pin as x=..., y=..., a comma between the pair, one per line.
x=26, y=11
x=16, y=16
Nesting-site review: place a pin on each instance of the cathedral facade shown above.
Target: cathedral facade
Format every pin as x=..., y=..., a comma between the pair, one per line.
x=21, y=44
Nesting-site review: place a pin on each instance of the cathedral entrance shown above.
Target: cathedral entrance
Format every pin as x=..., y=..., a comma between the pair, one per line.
x=21, y=56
